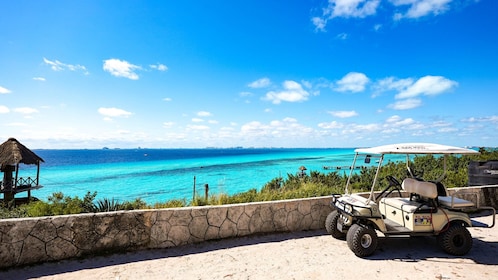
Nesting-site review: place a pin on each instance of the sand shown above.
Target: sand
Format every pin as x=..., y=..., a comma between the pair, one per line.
x=298, y=255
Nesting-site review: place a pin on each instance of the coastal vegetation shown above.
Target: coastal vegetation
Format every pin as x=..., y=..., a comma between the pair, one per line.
x=303, y=185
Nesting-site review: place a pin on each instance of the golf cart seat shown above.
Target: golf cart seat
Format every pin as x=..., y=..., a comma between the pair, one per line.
x=419, y=188
x=454, y=202
x=421, y=200
x=430, y=190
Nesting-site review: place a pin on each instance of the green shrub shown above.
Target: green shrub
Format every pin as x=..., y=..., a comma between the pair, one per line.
x=138, y=203
x=57, y=204
x=174, y=203
x=107, y=205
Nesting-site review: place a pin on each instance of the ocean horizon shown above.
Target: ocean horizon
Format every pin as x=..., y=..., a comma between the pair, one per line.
x=159, y=175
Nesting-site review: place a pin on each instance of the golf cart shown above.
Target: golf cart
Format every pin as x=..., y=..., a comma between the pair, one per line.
x=412, y=207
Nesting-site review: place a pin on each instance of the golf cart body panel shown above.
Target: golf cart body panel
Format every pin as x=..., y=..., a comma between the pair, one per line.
x=421, y=208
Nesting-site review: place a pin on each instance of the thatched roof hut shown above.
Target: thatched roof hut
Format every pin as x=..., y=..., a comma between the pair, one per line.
x=12, y=153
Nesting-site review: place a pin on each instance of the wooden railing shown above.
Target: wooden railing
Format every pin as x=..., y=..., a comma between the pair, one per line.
x=26, y=182
x=22, y=183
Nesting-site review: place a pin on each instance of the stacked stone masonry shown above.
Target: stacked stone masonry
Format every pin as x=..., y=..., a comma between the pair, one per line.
x=34, y=240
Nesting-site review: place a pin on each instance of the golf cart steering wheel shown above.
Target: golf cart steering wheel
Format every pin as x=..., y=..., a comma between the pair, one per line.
x=393, y=182
x=394, y=185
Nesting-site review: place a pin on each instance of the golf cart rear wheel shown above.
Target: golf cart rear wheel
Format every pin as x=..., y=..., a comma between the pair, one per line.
x=362, y=240
x=456, y=240
x=331, y=225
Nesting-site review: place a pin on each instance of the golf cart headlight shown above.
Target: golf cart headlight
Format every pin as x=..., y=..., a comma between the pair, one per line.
x=348, y=208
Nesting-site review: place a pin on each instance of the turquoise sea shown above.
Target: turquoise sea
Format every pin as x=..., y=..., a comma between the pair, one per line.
x=158, y=175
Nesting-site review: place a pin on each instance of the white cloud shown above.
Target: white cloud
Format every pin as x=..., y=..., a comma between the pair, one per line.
x=428, y=85
x=421, y=8
x=406, y=104
x=287, y=127
x=391, y=83
x=447, y=129
x=121, y=68
x=4, y=90
x=357, y=129
x=253, y=128
x=331, y=125
x=410, y=9
x=59, y=66
x=261, y=83
x=25, y=110
x=397, y=121
x=345, y=9
x=197, y=120
x=159, y=67
x=319, y=23
x=292, y=92
x=113, y=112
x=168, y=124
x=197, y=127
x=167, y=99
x=17, y=124
x=344, y=114
x=342, y=36
x=41, y=79
x=204, y=114
x=493, y=119
x=245, y=94
x=440, y=124
x=353, y=82
x=290, y=120
x=351, y=8
x=4, y=109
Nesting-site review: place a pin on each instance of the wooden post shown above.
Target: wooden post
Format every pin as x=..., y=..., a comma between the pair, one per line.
x=38, y=173
x=193, y=195
x=8, y=182
x=206, y=191
x=17, y=173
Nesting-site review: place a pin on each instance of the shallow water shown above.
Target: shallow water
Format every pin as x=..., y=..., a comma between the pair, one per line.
x=158, y=175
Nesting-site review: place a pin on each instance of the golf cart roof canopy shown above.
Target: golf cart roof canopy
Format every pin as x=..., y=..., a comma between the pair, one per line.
x=416, y=148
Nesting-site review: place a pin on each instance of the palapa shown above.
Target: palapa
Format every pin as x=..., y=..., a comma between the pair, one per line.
x=12, y=152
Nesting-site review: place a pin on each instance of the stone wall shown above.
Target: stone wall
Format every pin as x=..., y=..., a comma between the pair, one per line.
x=33, y=240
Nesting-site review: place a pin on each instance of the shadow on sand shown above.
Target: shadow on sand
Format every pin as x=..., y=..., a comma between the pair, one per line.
x=417, y=249
x=402, y=249
x=53, y=268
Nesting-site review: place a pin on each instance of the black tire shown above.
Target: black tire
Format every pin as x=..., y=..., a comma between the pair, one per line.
x=362, y=240
x=456, y=240
x=331, y=225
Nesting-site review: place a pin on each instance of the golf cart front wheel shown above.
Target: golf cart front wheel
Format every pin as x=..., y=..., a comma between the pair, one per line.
x=362, y=240
x=456, y=240
x=331, y=225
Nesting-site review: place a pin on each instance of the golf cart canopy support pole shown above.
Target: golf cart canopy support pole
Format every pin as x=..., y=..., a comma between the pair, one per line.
x=351, y=172
x=370, y=198
x=444, y=169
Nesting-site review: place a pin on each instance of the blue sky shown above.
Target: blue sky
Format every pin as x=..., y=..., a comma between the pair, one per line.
x=187, y=74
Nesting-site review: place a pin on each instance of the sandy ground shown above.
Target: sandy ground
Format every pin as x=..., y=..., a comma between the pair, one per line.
x=299, y=255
